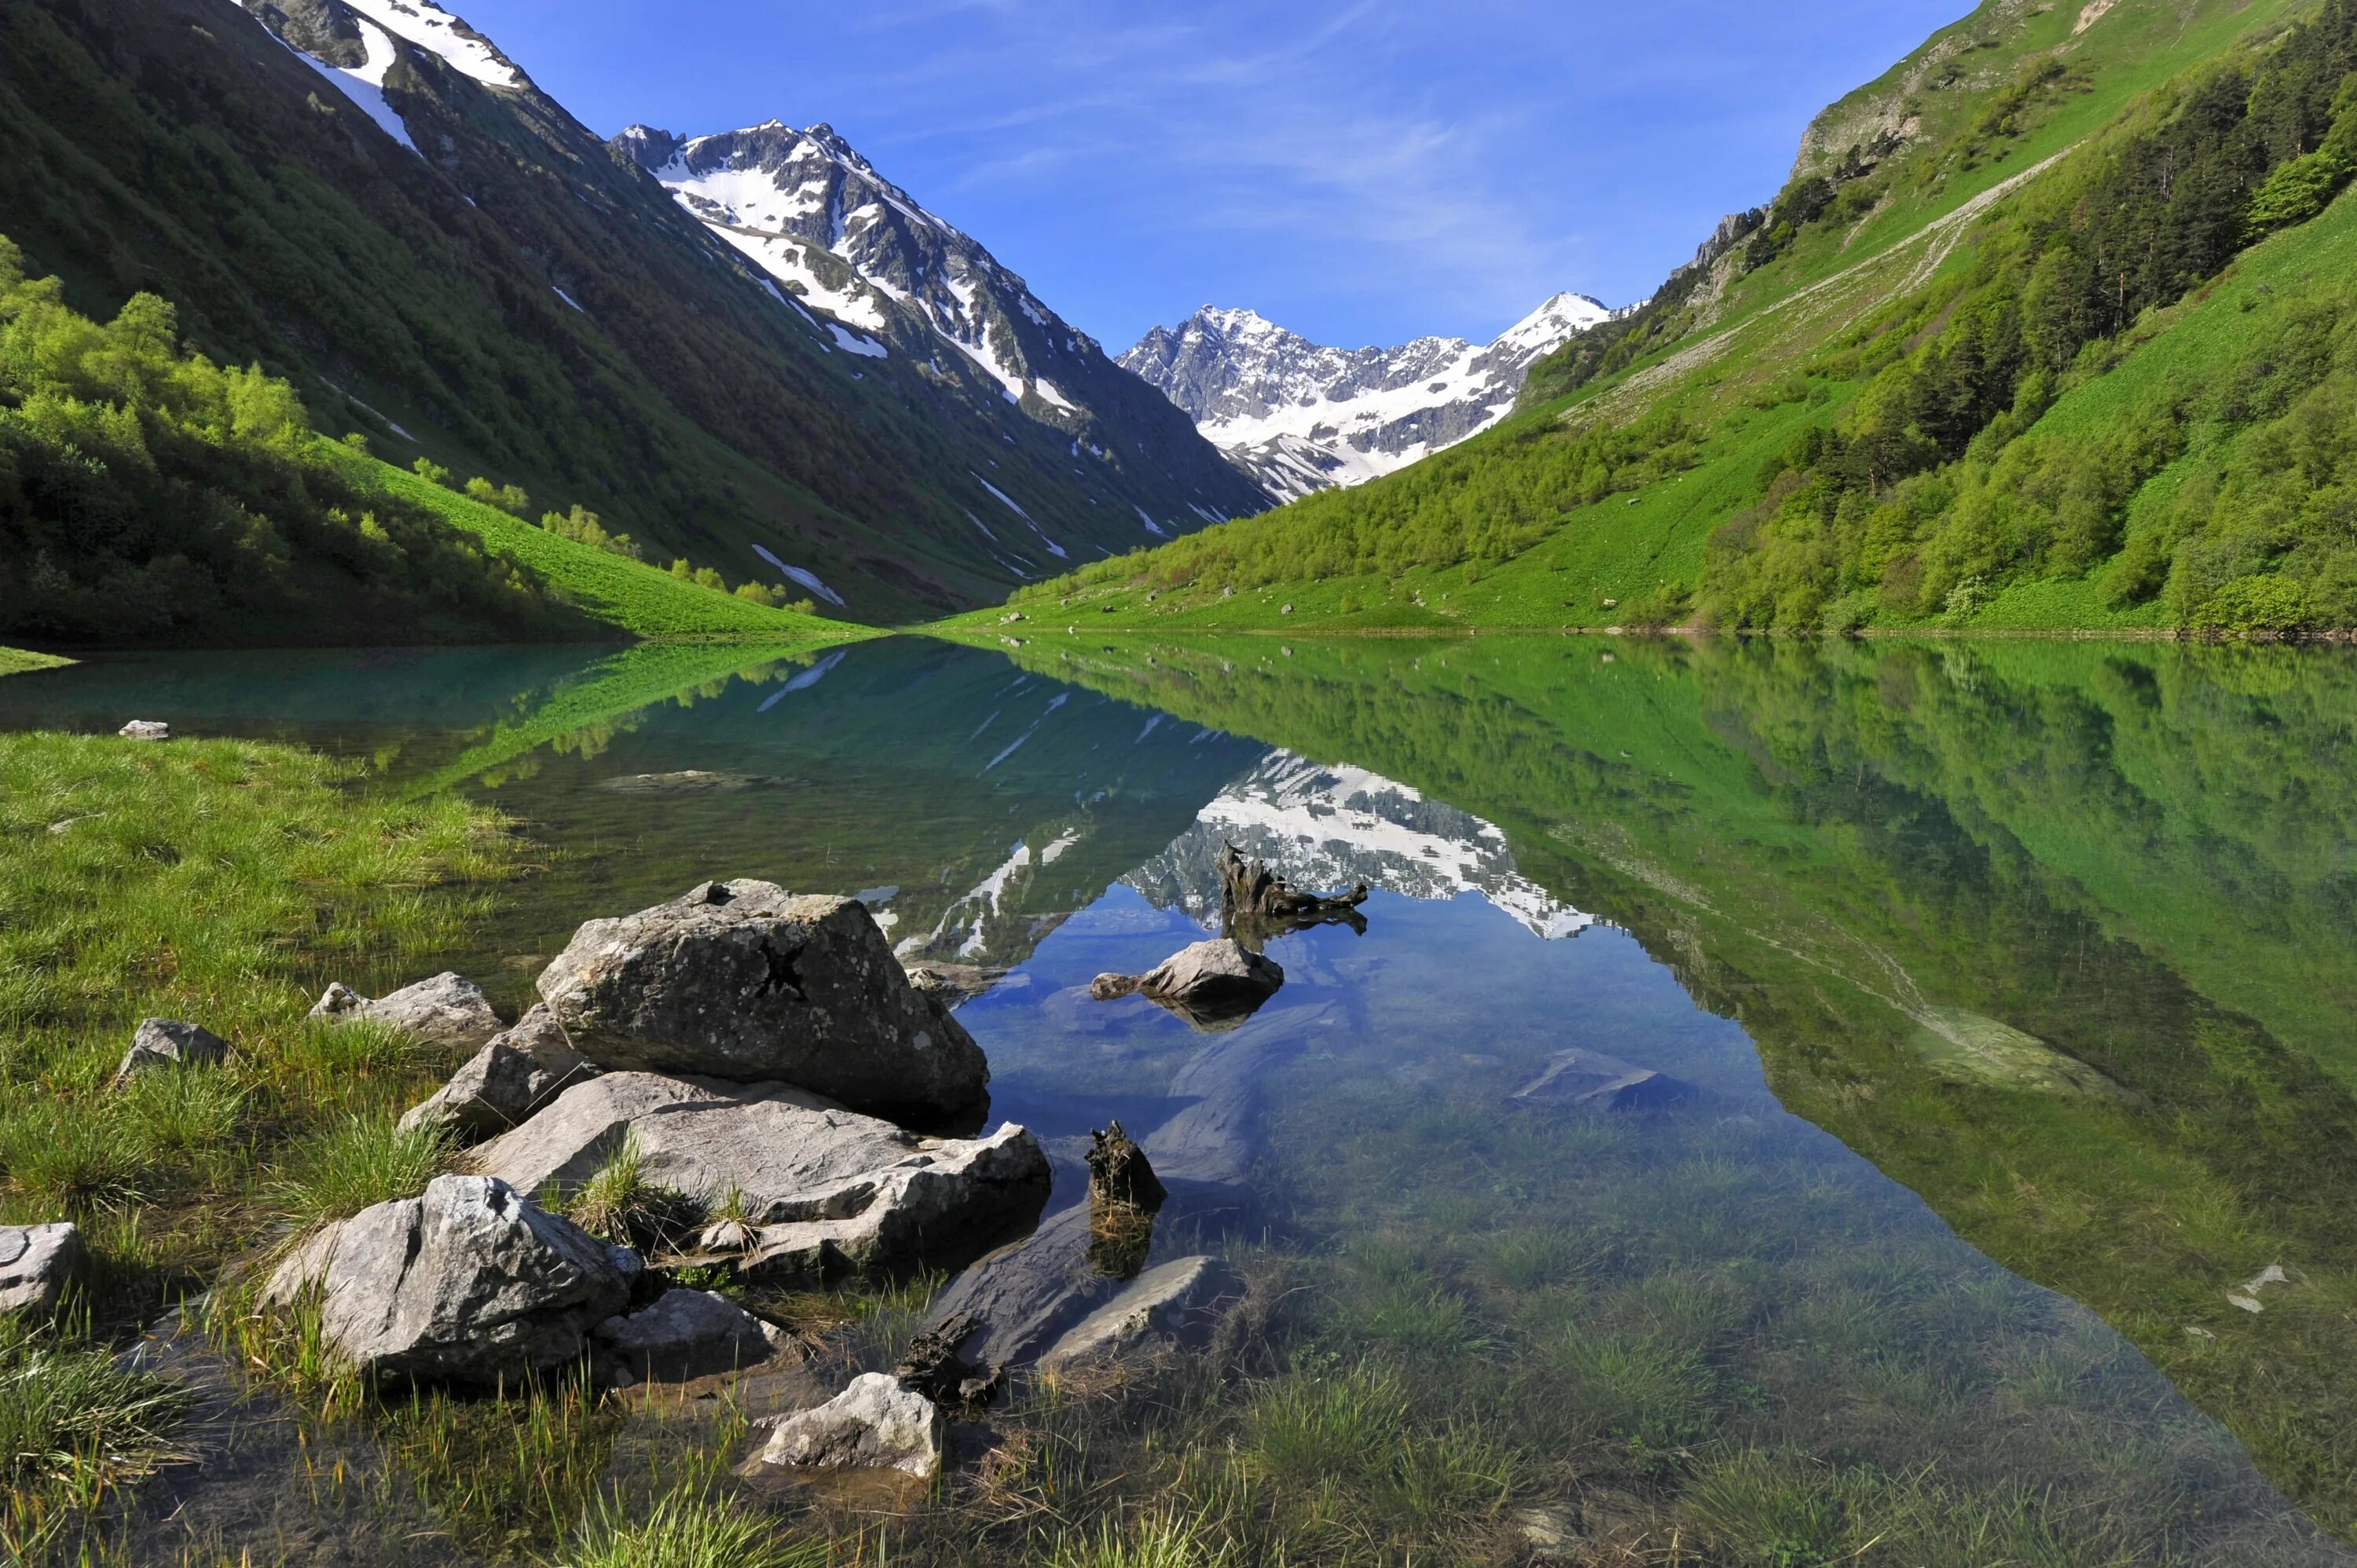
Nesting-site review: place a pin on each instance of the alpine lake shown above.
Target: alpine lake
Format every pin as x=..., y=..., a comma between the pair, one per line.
x=1994, y=1201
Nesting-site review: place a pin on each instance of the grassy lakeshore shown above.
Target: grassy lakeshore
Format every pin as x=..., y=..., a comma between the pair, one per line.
x=221, y=883
x=19, y=661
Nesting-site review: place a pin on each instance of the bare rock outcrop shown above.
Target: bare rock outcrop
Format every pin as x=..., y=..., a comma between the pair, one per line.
x=747, y=981
x=161, y=1043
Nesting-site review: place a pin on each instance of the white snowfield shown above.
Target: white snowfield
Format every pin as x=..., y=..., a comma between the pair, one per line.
x=364, y=84
x=1301, y=417
x=429, y=27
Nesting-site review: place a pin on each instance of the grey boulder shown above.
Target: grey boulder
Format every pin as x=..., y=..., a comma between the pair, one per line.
x=447, y=1010
x=824, y=1190
x=468, y=1284
x=1174, y=1304
x=687, y=1333
x=1213, y=985
x=873, y=1425
x=168, y=1043
x=748, y=982
x=514, y=1075
x=146, y=729
x=37, y=1264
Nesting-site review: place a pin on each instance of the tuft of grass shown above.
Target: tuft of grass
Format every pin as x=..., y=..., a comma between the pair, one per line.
x=622, y=1203
x=76, y=1426
x=700, y=1528
x=359, y=1162
x=1169, y=1540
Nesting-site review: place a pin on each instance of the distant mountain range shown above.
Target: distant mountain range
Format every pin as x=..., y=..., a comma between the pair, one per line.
x=1299, y=417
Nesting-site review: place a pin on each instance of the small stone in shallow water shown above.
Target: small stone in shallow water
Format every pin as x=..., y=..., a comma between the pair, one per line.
x=873, y=1425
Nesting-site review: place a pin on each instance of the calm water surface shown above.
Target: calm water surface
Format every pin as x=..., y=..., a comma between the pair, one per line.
x=2013, y=984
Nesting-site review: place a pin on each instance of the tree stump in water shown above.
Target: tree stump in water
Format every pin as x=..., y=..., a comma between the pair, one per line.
x=1257, y=900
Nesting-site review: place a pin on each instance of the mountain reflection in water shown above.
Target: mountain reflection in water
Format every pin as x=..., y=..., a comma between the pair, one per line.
x=2006, y=956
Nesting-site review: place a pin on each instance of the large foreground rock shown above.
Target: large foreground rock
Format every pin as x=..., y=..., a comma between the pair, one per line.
x=826, y=1190
x=687, y=1333
x=502, y=1085
x=160, y=1043
x=748, y=982
x=447, y=1010
x=1174, y=1304
x=468, y=1284
x=873, y=1425
x=37, y=1264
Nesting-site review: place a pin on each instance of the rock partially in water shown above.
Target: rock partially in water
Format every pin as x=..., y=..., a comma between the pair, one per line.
x=954, y=982
x=1596, y=1081
x=161, y=1043
x=1026, y=1296
x=146, y=729
x=874, y=1423
x=37, y=1264
x=1172, y=1306
x=826, y=1191
x=686, y=1335
x=447, y=1010
x=514, y=1075
x=745, y=980
x=1213, y=985
x=468, y=1284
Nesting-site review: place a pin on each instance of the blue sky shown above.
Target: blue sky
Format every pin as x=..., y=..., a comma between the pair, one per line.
x=1363, y=171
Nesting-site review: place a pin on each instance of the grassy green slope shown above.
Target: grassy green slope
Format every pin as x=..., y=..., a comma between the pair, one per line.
x=19, y=661
x=629, y=595
x=1719, y=385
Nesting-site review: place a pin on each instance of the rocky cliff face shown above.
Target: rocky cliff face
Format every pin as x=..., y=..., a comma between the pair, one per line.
x=1299, y=416
x=887, y=276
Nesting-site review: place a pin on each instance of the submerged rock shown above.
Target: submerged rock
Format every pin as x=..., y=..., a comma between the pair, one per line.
x=954, y=982
x=1174, y=1304
x=745, y=980
x=874, y=1423
x=1593, y=1080
x=37, y=1264
x=824, y=1189
x=519, y=1071
x=1024, y=1297
x=686, y=1335
x=469, y=1282
x=686, y=781
x=161, y=1043
x=447, y=1010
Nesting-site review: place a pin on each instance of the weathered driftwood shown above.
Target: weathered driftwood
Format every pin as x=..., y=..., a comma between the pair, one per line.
x=1255, y=900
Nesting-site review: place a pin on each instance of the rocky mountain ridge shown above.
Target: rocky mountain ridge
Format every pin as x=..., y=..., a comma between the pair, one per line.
x=1299, y=416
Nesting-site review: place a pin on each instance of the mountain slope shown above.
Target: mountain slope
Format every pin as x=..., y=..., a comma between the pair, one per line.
x=385, y=209
x=893, y=279
x=2047, y=332
x=1299, y=417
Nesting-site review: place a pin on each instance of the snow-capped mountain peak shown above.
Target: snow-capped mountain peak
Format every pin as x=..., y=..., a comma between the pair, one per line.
x=1299, y=416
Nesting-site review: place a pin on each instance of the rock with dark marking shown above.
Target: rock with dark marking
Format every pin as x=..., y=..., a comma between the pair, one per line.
x=745, y=980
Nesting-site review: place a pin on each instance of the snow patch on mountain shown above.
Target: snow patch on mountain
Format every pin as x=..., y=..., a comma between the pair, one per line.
x=1325, y=828
x=432, y=28
x=364, y=83
x=1299, y=417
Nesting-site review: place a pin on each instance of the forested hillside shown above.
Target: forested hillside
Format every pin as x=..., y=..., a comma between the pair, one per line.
x=2052, y=328
x=150, y=496
x=469, y=274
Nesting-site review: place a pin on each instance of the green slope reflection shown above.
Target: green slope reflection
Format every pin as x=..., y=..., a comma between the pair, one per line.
x=2057, y=935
